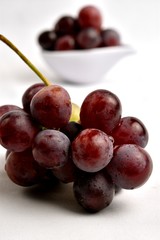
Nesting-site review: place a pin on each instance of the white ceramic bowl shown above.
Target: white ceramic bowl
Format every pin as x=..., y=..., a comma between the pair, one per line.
x=85, y=66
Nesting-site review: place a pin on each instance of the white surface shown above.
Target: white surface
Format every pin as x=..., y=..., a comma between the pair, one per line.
x=135, y=79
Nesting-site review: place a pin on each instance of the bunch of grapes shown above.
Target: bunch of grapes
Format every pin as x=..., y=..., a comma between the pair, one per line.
x=94, y=148
x=99, y=153
x=85, y=31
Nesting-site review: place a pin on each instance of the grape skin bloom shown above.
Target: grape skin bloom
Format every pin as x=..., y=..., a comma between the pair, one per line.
x=51, y=107
x=93, y=191
x=101, y=109
x=131, y=166
x=51, y=148
x=92, y=150
x=17, y=130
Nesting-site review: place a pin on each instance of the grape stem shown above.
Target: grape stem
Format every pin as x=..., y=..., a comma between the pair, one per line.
x=26, y=60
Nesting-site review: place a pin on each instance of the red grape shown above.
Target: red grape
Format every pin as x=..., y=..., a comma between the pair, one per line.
x=130, y=130
x=66, y=25
x=7, y=108
x=17, y=130
x=101, y=109
x=130, y=167
x=47, y=39
x=21, y=168
x=92, y=150
x=65, y=43
x=90, y=16
x=28, y=95
x=93, y=191
x=110, y=38
x=51, y=106
x=51, y=148
x=88, y=38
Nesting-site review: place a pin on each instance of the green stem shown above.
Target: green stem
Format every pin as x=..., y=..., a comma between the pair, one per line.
x=21, y=55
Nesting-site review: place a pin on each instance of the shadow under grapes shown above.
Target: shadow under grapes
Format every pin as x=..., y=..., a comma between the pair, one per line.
x=59, y=194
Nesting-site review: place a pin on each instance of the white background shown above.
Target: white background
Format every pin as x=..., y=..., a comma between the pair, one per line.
x=132, y=214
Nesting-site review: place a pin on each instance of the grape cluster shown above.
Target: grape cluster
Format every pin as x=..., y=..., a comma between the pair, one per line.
x=85, y=31
x=100, y=153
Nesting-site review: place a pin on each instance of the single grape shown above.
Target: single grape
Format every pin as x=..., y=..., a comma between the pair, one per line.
x=101, y=109
x=7, y=108
x=29, y=93
x=65, y=43
x=66, y=173
x=51, y=106
x=66, y=25
x=93, y=191
x=130, y=130
x=110, y=38
x=46, y=40
x=88, y=38
x=72, y=129
x=130, y=167
x=21, y=168
x=90, y=16
x=17, y=130
x=51, y=148
x=92, y=150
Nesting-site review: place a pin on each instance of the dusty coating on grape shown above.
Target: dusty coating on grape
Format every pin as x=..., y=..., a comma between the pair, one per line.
x=17, y=130
x=93, y=191
x=92, y=150
x=21, y=168
x=28, y=95
x=131, y=166
x=51, y=107
x=51, y=148
x=90, y=16
x=101, y=109
x=130, y=130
